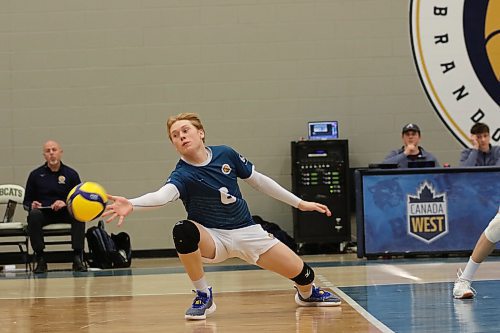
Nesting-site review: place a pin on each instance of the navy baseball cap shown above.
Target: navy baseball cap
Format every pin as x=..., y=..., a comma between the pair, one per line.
x=411, y=127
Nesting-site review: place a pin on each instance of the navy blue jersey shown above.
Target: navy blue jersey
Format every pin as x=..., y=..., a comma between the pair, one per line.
x=210, y=193
x=45, y=186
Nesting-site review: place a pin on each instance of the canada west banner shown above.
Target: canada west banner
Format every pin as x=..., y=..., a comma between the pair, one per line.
x=456, y=47
x=427, y=212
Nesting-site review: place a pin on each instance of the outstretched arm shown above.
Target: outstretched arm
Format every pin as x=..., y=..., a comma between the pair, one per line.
x=308, y=206
x=121, y=207
x=270, y=187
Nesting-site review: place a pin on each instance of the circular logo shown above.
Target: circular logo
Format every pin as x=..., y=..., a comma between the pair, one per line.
x=456, y=47
x=226, y=169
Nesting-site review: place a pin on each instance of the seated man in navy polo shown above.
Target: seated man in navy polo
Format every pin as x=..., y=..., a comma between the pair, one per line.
x=410, y=151
x=45, y=200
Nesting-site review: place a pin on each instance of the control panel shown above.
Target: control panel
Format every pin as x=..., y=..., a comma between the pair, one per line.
x=320, y=170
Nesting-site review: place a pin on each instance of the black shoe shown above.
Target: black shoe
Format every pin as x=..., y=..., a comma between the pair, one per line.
x=41, y=266
x=79, y=265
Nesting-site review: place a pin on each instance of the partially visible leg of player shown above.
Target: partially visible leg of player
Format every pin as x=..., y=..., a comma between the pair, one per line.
x=193, y=242
x=280, y=259
x=485, y=245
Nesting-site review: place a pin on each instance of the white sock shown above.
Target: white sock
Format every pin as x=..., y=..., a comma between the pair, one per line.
x=201, y=285
x=470, y=270
x=305, y=294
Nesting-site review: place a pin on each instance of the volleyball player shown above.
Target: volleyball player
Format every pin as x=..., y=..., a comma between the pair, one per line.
x=219, y=224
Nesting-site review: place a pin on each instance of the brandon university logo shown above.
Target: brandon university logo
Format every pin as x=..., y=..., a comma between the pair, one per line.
x=456, y=46
x=427, y=214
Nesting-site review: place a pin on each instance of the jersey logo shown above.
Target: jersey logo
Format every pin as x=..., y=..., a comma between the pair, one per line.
x=226, y=169
x=61, y=180
x=456, y=50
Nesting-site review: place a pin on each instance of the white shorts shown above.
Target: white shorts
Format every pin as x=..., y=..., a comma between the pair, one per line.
x=247, y=243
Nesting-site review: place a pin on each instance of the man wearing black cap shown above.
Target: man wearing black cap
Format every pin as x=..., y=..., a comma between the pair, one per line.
x=410, y=151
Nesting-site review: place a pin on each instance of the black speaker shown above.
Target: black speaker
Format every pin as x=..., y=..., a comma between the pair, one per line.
x=320, y=173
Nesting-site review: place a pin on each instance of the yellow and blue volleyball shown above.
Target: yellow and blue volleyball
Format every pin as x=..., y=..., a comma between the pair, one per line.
x=87, y=201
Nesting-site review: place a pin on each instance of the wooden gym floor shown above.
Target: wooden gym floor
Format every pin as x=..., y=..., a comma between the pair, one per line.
x=398, y=295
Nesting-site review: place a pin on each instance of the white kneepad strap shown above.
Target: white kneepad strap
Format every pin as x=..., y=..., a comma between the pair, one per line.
x=492, y=231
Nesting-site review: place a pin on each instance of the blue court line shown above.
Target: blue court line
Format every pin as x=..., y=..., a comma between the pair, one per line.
x=224, y=268
x=169, y=270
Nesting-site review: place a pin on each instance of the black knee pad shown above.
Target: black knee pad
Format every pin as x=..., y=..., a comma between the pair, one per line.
x=305, y=277
x=186, y=237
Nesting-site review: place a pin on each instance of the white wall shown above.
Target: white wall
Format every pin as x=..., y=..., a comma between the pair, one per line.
x=102, y=76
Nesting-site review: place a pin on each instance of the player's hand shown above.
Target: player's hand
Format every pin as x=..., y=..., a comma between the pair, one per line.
x=58, y=204
x=308, y=206
x=120, y=208
x=411, y=149
x=473, y=140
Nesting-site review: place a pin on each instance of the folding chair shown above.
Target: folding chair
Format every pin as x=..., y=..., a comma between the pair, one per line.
x=15, y=232
x=58, y=230
x=56, y=234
